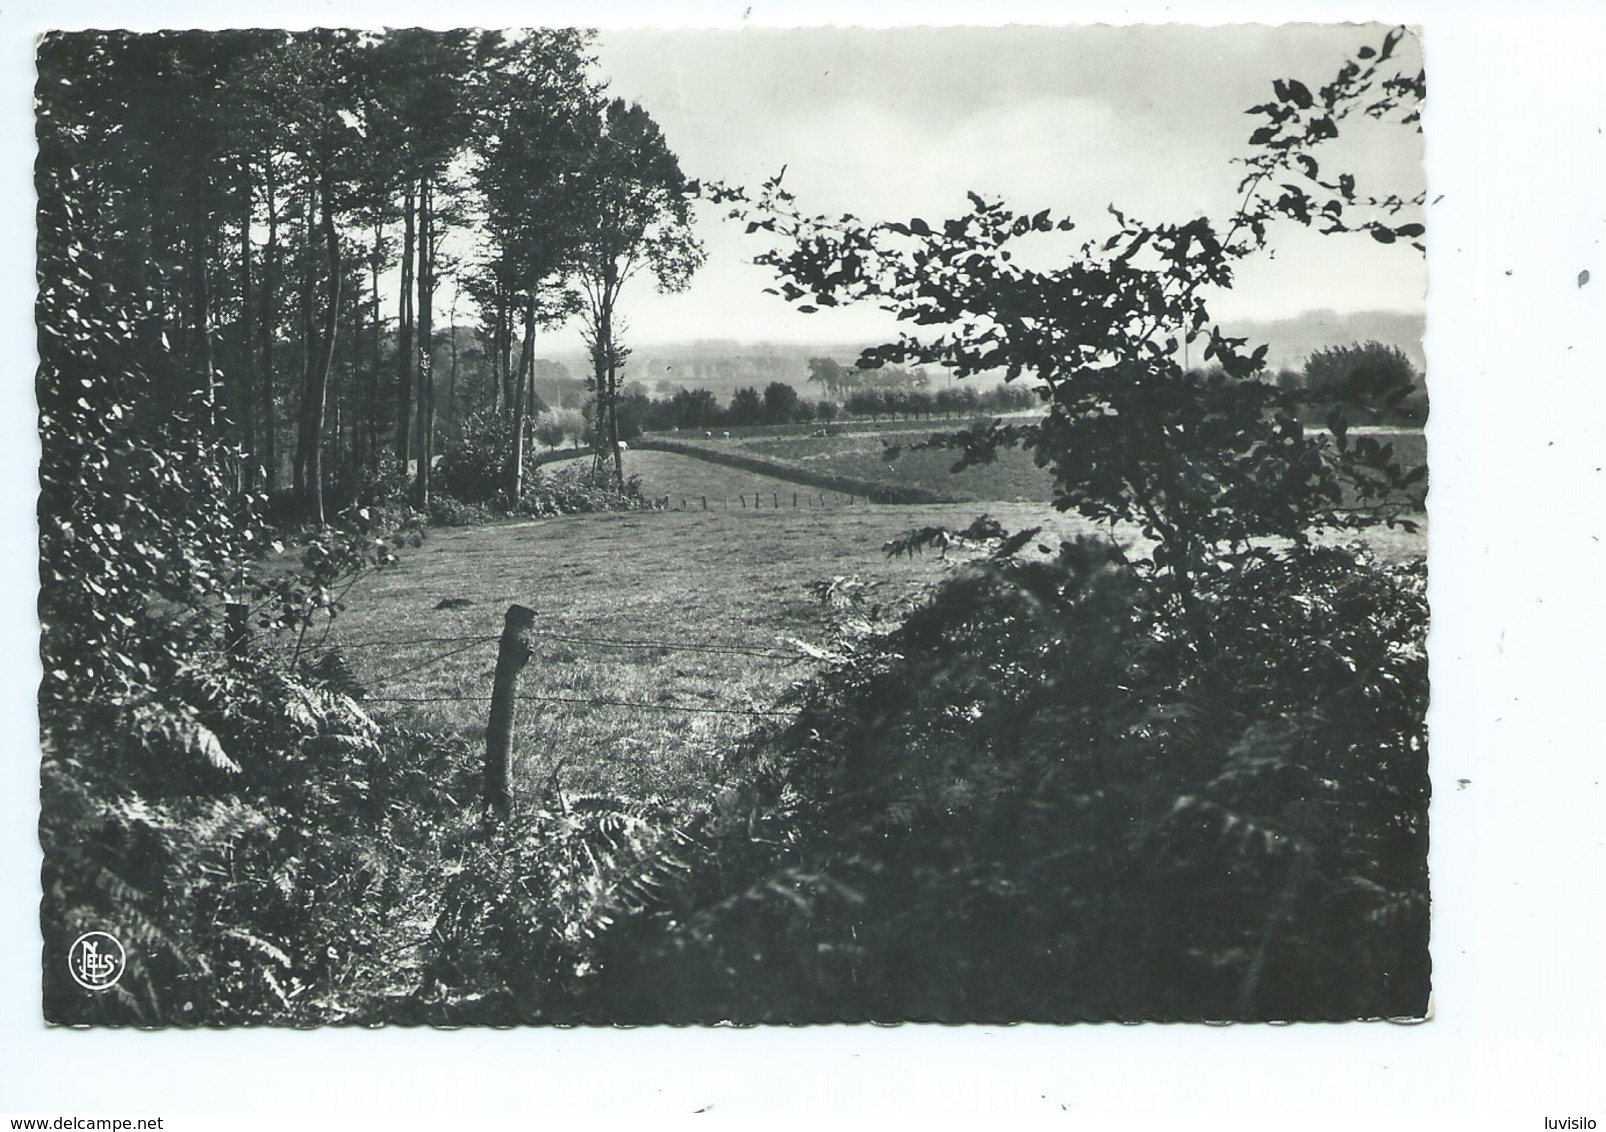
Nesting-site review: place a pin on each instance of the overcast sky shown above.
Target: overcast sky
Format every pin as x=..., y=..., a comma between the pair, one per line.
x=893, y=123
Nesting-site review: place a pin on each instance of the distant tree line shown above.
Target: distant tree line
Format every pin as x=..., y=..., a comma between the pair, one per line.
x=780, y=404
x=840, y=381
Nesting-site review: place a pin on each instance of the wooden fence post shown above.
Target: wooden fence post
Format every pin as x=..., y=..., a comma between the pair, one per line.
x=775, y=498
x=511, y=657
x=705, y=503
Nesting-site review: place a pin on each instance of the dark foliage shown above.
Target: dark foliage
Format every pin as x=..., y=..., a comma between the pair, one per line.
x=1039, y=799
x=262, y=849
x=473, y=474
x=1366, y=383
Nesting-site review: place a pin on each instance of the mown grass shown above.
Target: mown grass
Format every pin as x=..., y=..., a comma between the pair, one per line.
x=885, y=453
x=687, y=482
x=673, y=583
x=861, y=451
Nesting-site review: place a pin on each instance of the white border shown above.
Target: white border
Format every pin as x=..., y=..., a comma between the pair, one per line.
x=1519, y=389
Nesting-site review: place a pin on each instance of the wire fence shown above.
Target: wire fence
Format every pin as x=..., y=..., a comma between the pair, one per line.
x=765, y=501
x=723, y=648
x=586, y=701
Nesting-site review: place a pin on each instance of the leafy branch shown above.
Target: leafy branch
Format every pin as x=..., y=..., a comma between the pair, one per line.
x=1202, y=463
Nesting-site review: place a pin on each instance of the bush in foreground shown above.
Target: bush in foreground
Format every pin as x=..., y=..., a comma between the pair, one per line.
x=1040, y=798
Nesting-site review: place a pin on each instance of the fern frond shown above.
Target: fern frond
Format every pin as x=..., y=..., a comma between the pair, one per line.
x=260, y=945
x=226, y=820
x=338, y=744
x=175, y=727
x=323, y=711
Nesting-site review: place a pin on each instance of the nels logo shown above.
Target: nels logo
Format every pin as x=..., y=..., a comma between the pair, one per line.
x=96, y=961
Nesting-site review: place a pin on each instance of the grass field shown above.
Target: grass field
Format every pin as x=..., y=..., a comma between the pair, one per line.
x=707, y=600
x=676, y=581
x=685, y=482
x=860, y=451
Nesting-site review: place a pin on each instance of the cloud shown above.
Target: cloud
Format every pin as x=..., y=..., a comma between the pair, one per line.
x=892, y=124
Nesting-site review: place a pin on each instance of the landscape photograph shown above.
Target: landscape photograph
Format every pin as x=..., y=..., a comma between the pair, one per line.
x=764, y=527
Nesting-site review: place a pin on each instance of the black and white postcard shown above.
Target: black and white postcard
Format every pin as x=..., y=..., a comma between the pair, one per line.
x=739, y=526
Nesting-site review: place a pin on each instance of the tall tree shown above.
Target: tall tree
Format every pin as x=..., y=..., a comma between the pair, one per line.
x=426, y=340
x=326, y=137
x=421, y=115
x=636, y=216
x=530, y=175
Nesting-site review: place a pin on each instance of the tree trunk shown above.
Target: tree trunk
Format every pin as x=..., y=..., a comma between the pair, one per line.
x=515, y=471
x=269, y=328
x=426, y=334
x=245, y=478
x=320, y=387
x=203, y=313
x=405, y=357
x=610, y=358
x=362, y=394
x=451, y=378
x=374, y=407
x=493, y=356
x=504, y=347
x=308, y=347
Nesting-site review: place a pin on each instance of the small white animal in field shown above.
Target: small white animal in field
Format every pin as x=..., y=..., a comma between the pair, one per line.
x=623, y=447
x=708, y=436
x=727, y=436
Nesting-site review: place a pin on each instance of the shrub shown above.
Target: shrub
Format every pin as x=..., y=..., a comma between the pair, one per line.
x=1370, y=382
x=298, y=600
x=444, y=511
x=576, y=491
x=474, y=469
x=530, y=905
x=1043, y=798
x=388, y=485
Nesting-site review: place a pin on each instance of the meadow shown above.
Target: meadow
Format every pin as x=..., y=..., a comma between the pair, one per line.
x=664, y=637
x=709, y=604
x=885, y=453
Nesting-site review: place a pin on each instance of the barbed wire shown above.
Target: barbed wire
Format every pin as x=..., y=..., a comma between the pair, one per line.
x=414, y=642
x=468, y=643
x=436, y=659
x=592, y=702
x=422, y=699
x=719, y=647
x=585, y=701
x=722, y=648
